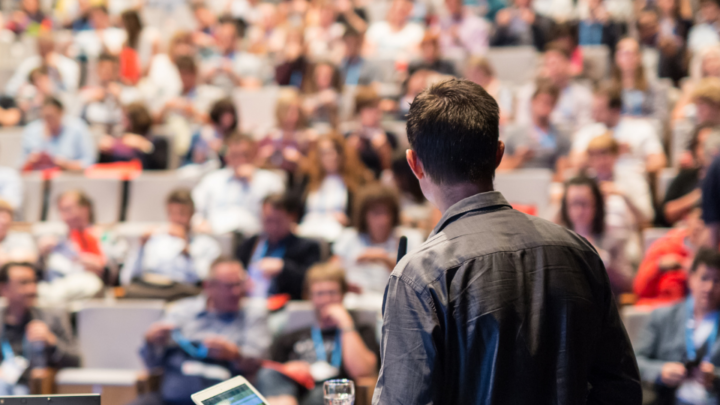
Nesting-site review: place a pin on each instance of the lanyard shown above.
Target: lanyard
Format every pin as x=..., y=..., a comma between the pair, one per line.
x=278, y=252
x=690, y=328
x=320, y=352
x=7, y=351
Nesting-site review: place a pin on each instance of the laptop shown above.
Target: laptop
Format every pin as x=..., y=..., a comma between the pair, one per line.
x=89, y=399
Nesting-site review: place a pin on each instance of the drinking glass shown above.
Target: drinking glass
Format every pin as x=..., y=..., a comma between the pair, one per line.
x=339, y=392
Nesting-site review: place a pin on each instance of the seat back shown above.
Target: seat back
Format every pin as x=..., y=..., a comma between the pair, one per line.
x=515, y=64
x=301, y=314
x=106, y=195
x=257, y=109
x=32, y=197
x=666, y=177
x=635, y=319
x=147, y=194
x=650, y=235
x=11, y=146
x=110, y=335
x=596, y=61
x=526, y=186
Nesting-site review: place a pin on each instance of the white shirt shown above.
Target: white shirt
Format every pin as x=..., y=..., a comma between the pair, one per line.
x=639, y=134
x=572, y=111
x=92, y=42
x=629, y=177
x=162, y=254
x=702, y=36
x=390, y=43
x=320, y=209
x=19, y=247
x=11, y=187
x=229, y=203
x=69, y=74
x=372, y=278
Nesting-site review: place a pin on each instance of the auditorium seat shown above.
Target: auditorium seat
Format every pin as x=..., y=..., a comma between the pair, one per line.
x=635, y=318
x=147, y=194
x=596, y=62
x=257, y=109
x=514, y=64
x=650, y=235
x=111, y=360
x=665, y=177
x=32, y=197
x=106, y=195
x=11, y=146
x=526, y=186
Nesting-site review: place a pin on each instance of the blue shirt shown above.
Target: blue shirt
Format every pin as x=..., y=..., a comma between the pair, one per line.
x=590, y=33
x=74, y=142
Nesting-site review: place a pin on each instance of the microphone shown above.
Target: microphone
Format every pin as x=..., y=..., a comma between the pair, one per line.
x=402, y=248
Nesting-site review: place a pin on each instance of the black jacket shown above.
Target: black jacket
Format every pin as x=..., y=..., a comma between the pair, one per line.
x=300, y=254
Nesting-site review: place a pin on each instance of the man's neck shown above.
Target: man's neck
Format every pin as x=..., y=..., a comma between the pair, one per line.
x=15, y=313
x=449, y=195
x=274, y=241
x=542, y=122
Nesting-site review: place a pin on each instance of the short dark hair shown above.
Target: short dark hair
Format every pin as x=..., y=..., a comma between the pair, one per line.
x=706, y=256
x=453, y=128
x=181, y=196
x=139, y=119
x=54, y=102
x=284, y=202
x=222, y=260
x=371, y=196
x=545, y=86
x=613, y=94
x=598, y=222
x=5, y=270
x=107, y=57
x=221, y=107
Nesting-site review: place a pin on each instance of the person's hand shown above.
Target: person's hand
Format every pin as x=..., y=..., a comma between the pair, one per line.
x=291, y=155
x=705, y=374
x=337, y=315
x=106, y=143
x=159, y=334
x=177, y=231
x=46, y=244
x=669, y=262
x=245, y=172
x=527, y=15
x=221, y=349
x=672, y=374
x=38, y=331
x=503, y=17
x=271, y=267
x=137, y=142
x=341, y=218
x=524, y=153
x=93, y=263
x=609, y=188
x=373, y=255
x=265, y=152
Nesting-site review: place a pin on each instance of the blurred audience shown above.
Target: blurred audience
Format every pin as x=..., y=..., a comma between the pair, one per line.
x=63, y=71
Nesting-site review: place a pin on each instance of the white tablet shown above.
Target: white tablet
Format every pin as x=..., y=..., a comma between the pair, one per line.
x=235, y=391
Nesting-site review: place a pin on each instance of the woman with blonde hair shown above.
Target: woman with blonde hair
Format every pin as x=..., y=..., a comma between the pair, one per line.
x=333, y=174
x=705, y=64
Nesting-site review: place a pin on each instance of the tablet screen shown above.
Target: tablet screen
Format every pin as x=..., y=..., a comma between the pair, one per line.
x=241, y=395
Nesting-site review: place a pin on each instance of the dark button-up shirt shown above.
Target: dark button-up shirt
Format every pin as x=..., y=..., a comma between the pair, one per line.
x=498, y=307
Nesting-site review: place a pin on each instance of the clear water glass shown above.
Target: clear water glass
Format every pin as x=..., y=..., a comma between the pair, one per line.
x=339, y=392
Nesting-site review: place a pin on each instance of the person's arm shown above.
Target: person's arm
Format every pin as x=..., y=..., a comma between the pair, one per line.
x=412, y=370
x=357, y=359
x=676, y=209
x=294, y=268
x=647, y=348
x=613, y=373
x=64, y=353
x=655, y=162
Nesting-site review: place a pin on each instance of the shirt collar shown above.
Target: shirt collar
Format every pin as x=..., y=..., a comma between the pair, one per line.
x=477, y=202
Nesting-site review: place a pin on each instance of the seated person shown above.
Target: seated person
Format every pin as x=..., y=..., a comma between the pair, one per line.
x=103, y=37
x=333, y=175
x=574, y=105
x=63, y=71
x=207, y=143
x=285, y=147
x=374, y=145
x=57, y=141
x=519, y=24
x=337, y=346
x=136, y=142
x=173, y=252
x=638, y=139
x=276, y=258
x=622, y=179
x=395, y=36
x=431, y=58
x=74, y=263
x=217, y=331
x=683, y=193
x=36, y=337
x=677, y=351
x=15, y=246
x=584, y=211
x=31, y=95
x=230, y=198
x=102, y=103
x=479, y=71
x=322, y=94
x=368, y=252
x=541, y=144
x=662, y=276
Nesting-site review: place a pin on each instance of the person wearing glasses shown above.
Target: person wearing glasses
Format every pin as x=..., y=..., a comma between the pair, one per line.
x=206, y=339
x=339, y=345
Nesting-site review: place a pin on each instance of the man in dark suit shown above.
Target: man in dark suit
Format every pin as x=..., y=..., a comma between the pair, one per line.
x=678, y=351
x=277, y=259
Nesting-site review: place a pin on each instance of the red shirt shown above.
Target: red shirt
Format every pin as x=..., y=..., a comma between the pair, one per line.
x=654, y=286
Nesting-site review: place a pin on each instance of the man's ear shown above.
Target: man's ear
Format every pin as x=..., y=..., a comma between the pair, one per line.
x=415, y=164
x=499, y=153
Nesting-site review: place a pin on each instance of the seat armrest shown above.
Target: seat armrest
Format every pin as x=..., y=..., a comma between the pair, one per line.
x=42, y=381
